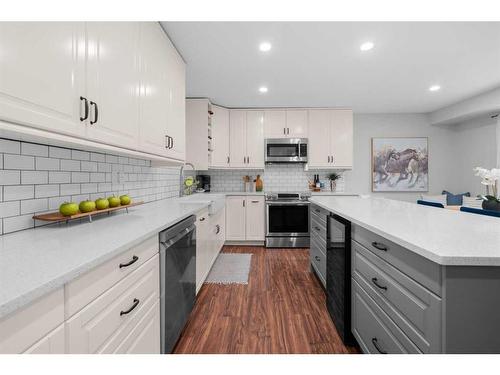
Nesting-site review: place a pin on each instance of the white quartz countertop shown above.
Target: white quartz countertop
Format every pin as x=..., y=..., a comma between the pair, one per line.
x=36, y=262
x=443, y=236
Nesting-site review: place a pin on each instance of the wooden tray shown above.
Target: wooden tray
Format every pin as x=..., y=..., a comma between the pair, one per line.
x=56, y=216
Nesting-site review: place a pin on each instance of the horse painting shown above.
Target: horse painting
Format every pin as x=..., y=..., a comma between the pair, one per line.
x=399, y=164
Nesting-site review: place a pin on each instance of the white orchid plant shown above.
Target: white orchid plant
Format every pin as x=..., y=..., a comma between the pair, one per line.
x=489, y=178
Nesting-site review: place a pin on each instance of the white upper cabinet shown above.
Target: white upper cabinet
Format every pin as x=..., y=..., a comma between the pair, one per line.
x=246, y=135
x=275, y=123
x=197, y=120
x=176, y=125
x=342, y=138
x=238, y=138
x=319, y=138
x=113, y=79
x=220, y=137
x=255, y=139
x=290, y=123
x=42, y=75
x=296, y=123
x=330, y=138
x=154, y=90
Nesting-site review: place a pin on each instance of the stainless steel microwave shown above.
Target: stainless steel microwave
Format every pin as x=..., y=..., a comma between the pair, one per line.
x=285, y=150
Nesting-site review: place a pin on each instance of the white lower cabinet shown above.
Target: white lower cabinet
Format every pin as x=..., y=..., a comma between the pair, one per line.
x=53, y=343
x=96, y=327
x=245, y=219
x=210, y=237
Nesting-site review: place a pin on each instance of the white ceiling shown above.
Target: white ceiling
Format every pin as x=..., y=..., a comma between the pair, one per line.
x=319, y=64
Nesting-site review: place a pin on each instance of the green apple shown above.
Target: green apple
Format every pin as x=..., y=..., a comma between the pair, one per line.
x=68, y=208
x=87, y=206
x=101, y=203
x=125, y=199
x=114, y=201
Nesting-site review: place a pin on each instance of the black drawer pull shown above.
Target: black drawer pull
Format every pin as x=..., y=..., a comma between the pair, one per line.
x=317, y=258
x=136, y=302
x=317, y=228
x=134, y=259
x=379, y=246
x=375, y=281
x=96, y=113
x=375, y=344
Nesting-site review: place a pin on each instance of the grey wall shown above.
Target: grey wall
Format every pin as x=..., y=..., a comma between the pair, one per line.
x=441, y=151
x=474, y=146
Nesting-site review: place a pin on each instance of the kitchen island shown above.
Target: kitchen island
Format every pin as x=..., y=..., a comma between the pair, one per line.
x=423, y=279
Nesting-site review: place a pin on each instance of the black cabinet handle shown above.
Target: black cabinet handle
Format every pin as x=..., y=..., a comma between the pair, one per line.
x=284, y=131
x=134, y=305
x=134, y=259
x=86, y=109
x=317, y=228
x=96, y=113
x=248, y=159
x=172, y=144
x=228, y=160
x=375, y=344
x=379, y=246
x=287, y=130
x=255, y=201
x=218, y=229
x=317, y=258
x=317, y=210
x=375, y=281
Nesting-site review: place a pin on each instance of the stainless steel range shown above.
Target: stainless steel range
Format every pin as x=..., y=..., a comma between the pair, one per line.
x=287, y=219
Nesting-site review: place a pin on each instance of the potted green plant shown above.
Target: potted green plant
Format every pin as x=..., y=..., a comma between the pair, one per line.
x=489, y=178
x=333, y=177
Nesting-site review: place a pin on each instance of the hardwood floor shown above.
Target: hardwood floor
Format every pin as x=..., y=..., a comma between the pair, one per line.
x=281, y=310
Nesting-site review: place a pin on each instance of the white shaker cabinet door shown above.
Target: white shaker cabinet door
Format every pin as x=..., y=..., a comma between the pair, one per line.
x=155, y=90
x=176, y=126
x=255, y=139
x=296, y=123
x=319, y=154
x=113, y=82
x=53, y=343
x=275, y=124
x=342, y=138
x=255, y=220
x=235, y=218
x=220, y=137
x=237, y=138
x=42, y=75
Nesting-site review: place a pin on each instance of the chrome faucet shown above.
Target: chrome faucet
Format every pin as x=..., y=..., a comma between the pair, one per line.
x=181, y=178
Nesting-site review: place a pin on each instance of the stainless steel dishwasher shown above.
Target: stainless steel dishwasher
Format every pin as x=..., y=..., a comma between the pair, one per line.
x=177, y=280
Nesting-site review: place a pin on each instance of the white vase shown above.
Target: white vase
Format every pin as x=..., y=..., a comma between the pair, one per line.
x=333, y=185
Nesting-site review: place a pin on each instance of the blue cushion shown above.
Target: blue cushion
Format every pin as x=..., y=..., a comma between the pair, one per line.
x=480, y=211
x=454, y=199
x=432, y=204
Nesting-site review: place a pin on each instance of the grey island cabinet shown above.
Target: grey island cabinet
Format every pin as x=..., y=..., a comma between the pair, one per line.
x=407, y=300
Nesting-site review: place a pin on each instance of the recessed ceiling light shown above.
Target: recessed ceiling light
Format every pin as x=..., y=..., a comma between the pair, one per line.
x=366, y=46
x=435, y=88
x=265, y=46
x=263, y=89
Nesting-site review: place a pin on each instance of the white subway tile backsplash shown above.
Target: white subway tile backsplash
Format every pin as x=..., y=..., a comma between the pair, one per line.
x=80, y=177
x=10, y=177
x=11, y=161
x=70, y=165
x=47, y=164
x=10, y=147
x=34, y=177
x=44, y=191
x=80, y=155
x=31, y=206
x=18, y=192
x=59, y=152
x=94, y=156
x=34, y=149
x=89, y=166
x=59, y=177
x=70, y=189
x=15, y=223
x=8, y=209
x=38, y=178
